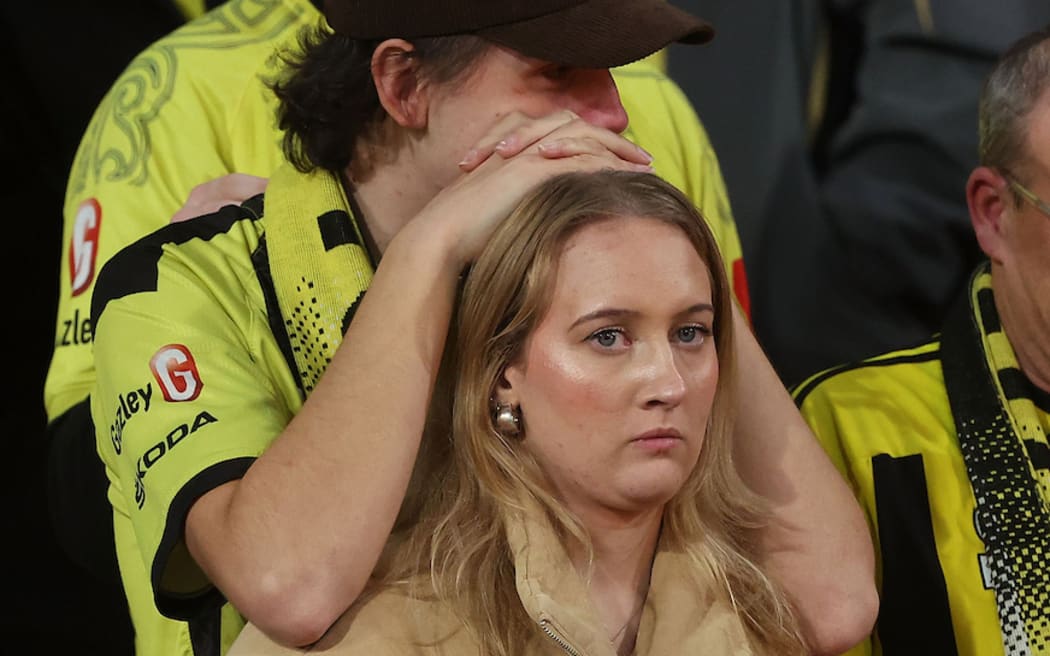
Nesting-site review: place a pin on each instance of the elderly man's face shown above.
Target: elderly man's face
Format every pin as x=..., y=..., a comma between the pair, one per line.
x=1027, y=233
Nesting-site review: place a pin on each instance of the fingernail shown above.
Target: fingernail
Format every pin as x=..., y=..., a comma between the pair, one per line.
x=469, y=158
x=645, y=154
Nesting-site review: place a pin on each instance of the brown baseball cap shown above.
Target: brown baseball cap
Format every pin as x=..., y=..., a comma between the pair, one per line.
x=584, y=33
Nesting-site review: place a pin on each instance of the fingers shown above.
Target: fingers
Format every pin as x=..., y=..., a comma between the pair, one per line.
x=241, y=186
x=513, y=134
x=208, y=197
x=552, y=135
x=573, y=146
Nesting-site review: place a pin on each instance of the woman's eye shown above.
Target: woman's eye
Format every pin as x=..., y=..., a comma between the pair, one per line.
x=607, y=338
x=691, y=334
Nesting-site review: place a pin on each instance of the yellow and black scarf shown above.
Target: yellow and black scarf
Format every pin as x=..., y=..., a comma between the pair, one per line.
x=1001, y=435
x=319, y=263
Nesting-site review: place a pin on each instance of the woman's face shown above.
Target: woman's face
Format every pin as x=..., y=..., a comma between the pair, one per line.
x=616, y=382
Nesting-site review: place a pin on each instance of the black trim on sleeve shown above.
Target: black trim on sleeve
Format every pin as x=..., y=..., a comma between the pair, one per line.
x=134, y=268
x=800, y=393
x=914, y=615
x=191, y=606
x=206, y=633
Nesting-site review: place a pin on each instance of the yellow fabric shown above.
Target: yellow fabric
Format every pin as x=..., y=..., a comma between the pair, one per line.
x=684, y=613
x=315, y=285
x=208, y=296
x=1014, y=502
x=901, y=410
x=194, y=106
x=191, y=8
x=896, y=406
x=206, y=301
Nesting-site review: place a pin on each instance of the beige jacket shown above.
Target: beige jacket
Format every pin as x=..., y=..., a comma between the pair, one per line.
x=676, y=618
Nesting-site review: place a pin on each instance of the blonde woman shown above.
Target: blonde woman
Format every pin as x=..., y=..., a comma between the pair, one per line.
x=588, y=503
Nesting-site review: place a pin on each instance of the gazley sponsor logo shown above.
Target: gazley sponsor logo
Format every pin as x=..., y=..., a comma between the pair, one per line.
x=129, y=404
x=83, y=249
x=77, y=330
x=176, y=373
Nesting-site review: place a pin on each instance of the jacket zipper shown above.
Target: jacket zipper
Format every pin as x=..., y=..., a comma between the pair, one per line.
x=558, y=640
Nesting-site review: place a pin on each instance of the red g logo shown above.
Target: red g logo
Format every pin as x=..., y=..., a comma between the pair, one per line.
x=84, y=246
x=176, y=373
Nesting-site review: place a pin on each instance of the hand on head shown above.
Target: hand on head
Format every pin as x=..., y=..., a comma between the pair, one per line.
x=210, y=196
x=561, y=134
x=516, y=155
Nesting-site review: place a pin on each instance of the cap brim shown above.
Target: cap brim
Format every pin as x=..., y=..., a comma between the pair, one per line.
x=602, y=33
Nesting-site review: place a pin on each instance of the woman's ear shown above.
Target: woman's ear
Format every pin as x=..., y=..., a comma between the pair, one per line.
x=506, y=392
x=395, y=72
x=988, y=197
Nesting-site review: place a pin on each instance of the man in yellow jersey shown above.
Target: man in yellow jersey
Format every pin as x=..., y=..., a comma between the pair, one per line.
x=238, y=473
x=195, y=106
x=945, y=443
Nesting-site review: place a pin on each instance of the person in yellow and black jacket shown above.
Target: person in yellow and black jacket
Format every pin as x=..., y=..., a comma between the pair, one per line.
x=245, y=482
x=945, y=443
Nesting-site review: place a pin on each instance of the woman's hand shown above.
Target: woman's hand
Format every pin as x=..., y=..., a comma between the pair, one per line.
x=517, y=154
x=210, y=196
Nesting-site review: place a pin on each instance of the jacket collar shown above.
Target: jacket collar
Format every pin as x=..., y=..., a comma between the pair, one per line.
x=683, y=613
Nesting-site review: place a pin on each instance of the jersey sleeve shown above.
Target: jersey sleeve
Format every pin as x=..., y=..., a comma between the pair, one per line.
x=664, y=122
x=192, y=107
x=188, y=394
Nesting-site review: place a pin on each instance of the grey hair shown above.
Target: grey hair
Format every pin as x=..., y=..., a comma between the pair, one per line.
x=1016, y=83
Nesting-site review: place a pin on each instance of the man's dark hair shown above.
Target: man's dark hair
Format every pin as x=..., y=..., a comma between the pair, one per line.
x=328, y=99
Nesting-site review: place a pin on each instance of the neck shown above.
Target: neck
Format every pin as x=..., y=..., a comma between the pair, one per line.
x=1027, y=326
x=618, y=576
x=391, y=195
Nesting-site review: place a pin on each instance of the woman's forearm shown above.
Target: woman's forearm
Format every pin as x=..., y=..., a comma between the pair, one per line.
x=293, y=543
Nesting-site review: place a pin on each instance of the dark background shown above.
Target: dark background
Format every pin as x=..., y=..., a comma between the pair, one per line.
x=59, y=59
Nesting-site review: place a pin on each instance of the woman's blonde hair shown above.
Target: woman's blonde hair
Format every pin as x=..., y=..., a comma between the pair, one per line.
x=458, y=546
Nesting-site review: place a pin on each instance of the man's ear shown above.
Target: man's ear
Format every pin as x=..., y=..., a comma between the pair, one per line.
x=395, y=72
x=988, y=197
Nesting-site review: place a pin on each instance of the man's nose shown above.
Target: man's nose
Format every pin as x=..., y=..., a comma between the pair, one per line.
x=599, y=102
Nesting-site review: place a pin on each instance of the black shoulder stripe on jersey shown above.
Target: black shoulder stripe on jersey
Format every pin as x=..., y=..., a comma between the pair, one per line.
x=261, y=264
x=802, y=392
x=134, y=268
x=914, y=614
